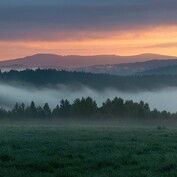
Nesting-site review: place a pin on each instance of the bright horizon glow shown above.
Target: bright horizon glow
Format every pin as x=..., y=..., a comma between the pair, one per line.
x=159, y=40
x=76, y=27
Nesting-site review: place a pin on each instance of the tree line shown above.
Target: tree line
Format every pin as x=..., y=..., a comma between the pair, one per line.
x=52, y=77
x=86, y=108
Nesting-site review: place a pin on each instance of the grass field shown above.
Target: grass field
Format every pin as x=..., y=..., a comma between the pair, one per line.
x=87, y=152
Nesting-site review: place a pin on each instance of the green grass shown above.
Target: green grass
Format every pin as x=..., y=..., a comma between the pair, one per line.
x=87, y=152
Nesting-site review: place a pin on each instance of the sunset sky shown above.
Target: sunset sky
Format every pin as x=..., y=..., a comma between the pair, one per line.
x=84, y=27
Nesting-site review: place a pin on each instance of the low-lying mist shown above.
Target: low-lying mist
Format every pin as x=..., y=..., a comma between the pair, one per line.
x=165, y=99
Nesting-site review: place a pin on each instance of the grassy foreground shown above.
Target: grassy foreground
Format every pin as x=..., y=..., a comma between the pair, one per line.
x=87, y=152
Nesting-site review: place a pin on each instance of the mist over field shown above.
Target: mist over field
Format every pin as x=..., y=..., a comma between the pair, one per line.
x=165, y=99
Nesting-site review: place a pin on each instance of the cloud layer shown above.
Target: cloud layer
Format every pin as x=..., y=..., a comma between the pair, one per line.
x=53, y=20
x=84, y=27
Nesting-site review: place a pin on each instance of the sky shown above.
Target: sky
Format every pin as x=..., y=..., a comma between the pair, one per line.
x=84, y=27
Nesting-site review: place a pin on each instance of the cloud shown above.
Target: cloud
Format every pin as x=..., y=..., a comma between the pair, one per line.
x=162, y=45
x=68, y=2
x=46, y=21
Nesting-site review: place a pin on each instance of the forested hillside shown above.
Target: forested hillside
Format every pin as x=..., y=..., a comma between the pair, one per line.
x=52, y=78
x=168, y=70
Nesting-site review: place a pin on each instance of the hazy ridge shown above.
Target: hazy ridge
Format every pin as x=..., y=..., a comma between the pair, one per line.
x=111, y=64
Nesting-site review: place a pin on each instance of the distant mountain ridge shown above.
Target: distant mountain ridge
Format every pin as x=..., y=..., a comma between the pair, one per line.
x=167, y=70
x=111, y=64
x=130, y=68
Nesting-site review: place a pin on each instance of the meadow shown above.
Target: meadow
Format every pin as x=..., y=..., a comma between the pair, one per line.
x=41, y=151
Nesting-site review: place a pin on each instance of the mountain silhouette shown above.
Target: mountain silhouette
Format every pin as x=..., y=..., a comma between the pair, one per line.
x=74, y=62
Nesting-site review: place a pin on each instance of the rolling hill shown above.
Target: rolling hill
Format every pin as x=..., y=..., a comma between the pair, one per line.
x=168, y=70
x=99, y=63
x=130, y=68
x=51, y=78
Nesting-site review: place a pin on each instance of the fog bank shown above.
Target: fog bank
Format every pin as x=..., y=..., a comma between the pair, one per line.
x=165, y=99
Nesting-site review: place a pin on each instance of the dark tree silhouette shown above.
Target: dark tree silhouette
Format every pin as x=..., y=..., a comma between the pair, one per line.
x=31, y=110
x=65, y=108
x=47, y=110
x=86, y=108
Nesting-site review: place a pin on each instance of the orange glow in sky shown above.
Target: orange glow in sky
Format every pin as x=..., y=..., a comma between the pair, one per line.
x=160, y=40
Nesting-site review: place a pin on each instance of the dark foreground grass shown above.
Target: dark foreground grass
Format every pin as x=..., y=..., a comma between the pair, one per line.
x=87, y=152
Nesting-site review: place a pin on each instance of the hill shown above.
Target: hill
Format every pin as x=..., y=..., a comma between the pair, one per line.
x=45, y=61
x=168, y=70
x=54, y=78
x=129, y=68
